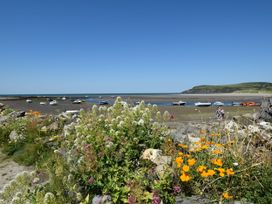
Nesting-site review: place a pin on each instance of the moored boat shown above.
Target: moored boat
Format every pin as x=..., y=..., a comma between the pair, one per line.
x=42, y=103
x=203, y=104
x=28, y=100
x=53, y=103
x=249, y=103
x=77, y=101
x=218, y=103
x=103, y=102
x=179, y=103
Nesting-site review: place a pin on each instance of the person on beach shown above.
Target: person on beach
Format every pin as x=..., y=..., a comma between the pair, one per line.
x=220, y=113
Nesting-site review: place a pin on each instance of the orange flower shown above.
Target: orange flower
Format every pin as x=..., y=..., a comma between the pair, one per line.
x=218, y=145
x=204, y=147
x=179, y=161
x=191, y=162
x=217, y=162
x=185, y=168
x=216, y=151
x=230, y=172
x=187, y=155
x=211, y=172
x=180, y=153
x=183, y=146
x=202, y=132
x=185, y=177
x=204, y=174
x=221, y=172
x=201, y=168
x=227, y=196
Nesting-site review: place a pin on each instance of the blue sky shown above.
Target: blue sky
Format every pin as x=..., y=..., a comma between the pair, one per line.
x=72, y=46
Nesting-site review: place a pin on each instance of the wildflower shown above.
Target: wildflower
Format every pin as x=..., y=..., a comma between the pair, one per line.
x=177, y=189
x=191, y=162
x=156, y=198
x=218, y=145
x=185, y=177
x=179, y=161
x=183, y=146
x=201, y=168
x=185, y=168
x=91, y=180
x=217, y=162
x=204, y=174
x=187, y=155
x=226, y=195
x=230, y=172
x=221, y=172
x=180, y=153
x=235, y=164
x=131, y=199
x=210, y=172
x=216, y=151
x=202, y=132
x=204, y=147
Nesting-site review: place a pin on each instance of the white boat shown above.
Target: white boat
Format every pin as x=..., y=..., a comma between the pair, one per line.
x=203, y=104
x=218, y=103
x=28, y=100
x=53, y=103
x=179, y=103
x=77, y=101
x=103, y=102
x=72, y=111
x=42, y=103
x=63, y=98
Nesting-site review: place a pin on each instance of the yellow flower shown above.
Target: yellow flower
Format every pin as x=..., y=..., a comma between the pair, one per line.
x=179, y=161
x=201, y=168
x=191, y=162
x=183, y=146
x=185, y=168
x=216, y=151
x=204, y=174
x=185, y=177
x=221, y=172
x=204, y=147
x=211, y=172
x=217, y=162
x=180, y=153
x=218, y=145
x=227, y=196
x=187, y=155
x=230, y=172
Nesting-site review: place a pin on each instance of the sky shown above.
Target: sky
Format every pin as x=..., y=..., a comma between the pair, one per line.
x=121, y=46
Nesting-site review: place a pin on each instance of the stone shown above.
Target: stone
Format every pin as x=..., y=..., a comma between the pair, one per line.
x=265, y=112
x=14, y=136
x=155, y=155
x=265, y=125
x=1, y=105
x=101, y=199
x=53, y=126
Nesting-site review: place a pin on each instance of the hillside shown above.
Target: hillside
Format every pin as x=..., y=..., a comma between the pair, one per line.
x=251, y=87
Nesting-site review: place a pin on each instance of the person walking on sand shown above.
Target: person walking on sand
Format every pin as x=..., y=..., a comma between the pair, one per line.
x=220, y=113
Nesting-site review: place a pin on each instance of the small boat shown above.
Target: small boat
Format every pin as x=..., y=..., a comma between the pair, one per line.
x=203, y=104
x=103, y=102
x=249, y=103
x=179, y=103
x=28, y=100
x=63, y=98
x=77, y=101
x=218, y=103
x=72, y=111
x=53, y=103
x=236, y=103
x=42, y=103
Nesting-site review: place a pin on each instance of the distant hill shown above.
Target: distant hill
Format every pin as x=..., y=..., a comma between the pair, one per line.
x=251, y=87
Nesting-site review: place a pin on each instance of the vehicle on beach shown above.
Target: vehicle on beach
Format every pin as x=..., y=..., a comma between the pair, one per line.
x=77, y=101
x=179, y=103
x=103, y=103
x=218, y=103
x=42, y=103
x=203, y=104
x=53, y=103
x=28, y=100
x=249, y=103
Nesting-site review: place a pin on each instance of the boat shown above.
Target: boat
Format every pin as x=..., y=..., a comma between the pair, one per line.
x=72, y=111
x=236, y=103
x=249, y=103
x=77, y=101
x=63, y=98
x=218, y=103
x=42, y=103
x=203, y=104
x=53, y=103
x=28, y=100
x=179, y=103
x=103, y=102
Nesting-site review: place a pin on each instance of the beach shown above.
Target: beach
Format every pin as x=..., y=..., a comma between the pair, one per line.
x=179, y=113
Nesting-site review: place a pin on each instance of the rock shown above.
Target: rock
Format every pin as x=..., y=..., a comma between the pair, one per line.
x=253, y=129
x=265, y=112
x=1, y=105
x=161, y=169
x=3, y=119
x=265, y=125
x=17, y=114
x=14, y=136
x=244, y=120
x=155, y=155
x=99, y=199
x=192, y=200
